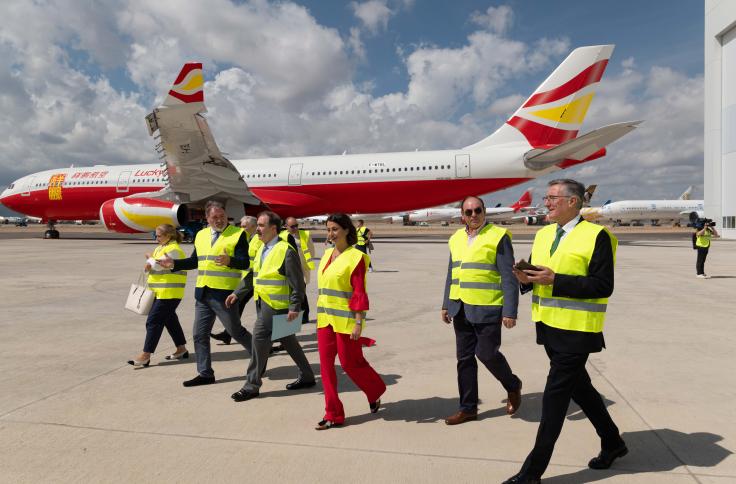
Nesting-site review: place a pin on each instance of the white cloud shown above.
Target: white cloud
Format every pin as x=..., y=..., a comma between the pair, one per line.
x=494, y=19
x=373, y=14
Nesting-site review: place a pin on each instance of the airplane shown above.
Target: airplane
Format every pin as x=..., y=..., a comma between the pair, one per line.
x=656, y=211
x=495, y=214
x=539, y=138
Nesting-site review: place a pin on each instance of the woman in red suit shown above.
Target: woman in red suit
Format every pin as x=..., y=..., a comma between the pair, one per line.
x=341, y=310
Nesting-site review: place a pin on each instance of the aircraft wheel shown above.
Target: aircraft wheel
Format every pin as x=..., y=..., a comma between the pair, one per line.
x=51, y=234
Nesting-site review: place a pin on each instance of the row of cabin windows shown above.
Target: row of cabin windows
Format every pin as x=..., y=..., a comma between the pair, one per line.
x=265, y=175
x=382, y=170
x=95, y=182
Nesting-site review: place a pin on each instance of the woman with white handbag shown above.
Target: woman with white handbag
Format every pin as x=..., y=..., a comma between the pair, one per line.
x=168, y=288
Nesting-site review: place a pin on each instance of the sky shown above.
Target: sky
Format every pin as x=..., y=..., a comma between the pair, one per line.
x=321, y=77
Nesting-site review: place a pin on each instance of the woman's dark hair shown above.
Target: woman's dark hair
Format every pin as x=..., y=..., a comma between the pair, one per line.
x=344, y=221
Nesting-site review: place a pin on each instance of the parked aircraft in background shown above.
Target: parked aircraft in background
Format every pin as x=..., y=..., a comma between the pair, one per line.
x=495, y=214
x=653, y=211
x=539, y=138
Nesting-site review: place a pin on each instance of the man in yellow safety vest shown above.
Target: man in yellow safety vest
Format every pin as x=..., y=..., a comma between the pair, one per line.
x=305, y=248
x=220, y=256
x=481, y=293
x=278, y=284
x=571, y=282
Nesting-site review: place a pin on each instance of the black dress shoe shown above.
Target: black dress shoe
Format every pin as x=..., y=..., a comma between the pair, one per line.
x=243, y=395
x=300, y=383
x=606, y=457
x=277, y=348
x=522, y=478
x=199, y=380
x=223, y=337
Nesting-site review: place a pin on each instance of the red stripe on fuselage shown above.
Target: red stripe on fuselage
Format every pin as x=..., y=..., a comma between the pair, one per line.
x=84, y=203
x=588, y=76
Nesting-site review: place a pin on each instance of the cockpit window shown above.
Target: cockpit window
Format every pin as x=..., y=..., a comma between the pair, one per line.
x=11, y=186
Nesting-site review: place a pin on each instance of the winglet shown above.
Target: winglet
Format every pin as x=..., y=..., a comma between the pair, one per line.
x=188, y=86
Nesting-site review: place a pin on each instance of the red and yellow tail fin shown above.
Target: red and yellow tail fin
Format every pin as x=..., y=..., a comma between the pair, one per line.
x=555, y=112
x=188, y=86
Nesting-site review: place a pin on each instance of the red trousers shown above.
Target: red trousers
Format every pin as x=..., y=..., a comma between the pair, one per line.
x=350, y=352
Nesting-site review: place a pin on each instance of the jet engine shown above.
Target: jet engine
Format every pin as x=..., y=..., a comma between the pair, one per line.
x=132, y=215
x=536, y=220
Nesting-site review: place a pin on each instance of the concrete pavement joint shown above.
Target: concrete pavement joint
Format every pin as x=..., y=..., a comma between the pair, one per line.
x=316, y=446
x=641, y=417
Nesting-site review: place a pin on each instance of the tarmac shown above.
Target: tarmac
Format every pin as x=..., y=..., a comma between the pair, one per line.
x=72, y=410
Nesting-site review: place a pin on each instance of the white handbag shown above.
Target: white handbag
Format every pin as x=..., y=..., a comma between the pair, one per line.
x=140, y=298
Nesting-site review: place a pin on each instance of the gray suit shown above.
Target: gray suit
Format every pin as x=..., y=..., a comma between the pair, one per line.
x=261, y=348
x=478, y=331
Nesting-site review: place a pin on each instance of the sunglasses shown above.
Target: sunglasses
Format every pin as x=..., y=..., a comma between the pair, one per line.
x=477, y=210
x=294, y=226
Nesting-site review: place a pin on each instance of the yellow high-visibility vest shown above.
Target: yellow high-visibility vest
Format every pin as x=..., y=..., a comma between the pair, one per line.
x=303, y=242
x=475, y=277
x=210, y=274
x=361, y=236
x=572, y=257
x=163, y=282
x=254, y=243
x=703, y=240
x=335, y=290
x=268, y=283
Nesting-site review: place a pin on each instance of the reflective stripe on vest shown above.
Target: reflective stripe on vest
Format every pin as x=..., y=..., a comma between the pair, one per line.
x=210, y=274
x=475, y=278
x=335, y=289
x=164, y=283
x=269, y=284
x=572, y=257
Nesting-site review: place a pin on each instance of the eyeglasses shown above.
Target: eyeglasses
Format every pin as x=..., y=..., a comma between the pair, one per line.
x=477, y=210
x=294, y=226
x=552, y=198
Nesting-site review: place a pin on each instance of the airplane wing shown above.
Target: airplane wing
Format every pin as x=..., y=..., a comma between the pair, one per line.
x=578, y=148
x=196, y=168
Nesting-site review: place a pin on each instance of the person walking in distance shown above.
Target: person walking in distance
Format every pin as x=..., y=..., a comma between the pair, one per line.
x=305, y=248
x=364, y=243
x=702, y=245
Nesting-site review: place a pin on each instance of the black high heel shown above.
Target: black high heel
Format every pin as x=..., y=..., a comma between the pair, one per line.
x=375, y=406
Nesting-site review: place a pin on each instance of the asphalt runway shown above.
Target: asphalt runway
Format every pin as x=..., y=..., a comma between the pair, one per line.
x=72, y=410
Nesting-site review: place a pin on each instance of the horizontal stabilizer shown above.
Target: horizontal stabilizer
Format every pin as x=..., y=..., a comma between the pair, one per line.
x=579, y=148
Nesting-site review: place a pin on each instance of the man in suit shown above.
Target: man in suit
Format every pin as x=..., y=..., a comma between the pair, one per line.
x=220, y=256
x=248, y=224
x=305, y=248
x=571, y=286
x=278, y=284
x=481, y=293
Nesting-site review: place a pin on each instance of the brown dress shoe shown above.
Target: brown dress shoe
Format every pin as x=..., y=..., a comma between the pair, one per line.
x=514, y=401
x=461, y=417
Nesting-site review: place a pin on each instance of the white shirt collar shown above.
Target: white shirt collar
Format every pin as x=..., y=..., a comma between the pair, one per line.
x=570, y=225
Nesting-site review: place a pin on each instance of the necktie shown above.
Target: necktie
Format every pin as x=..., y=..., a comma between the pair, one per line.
x=558, y=236
x=215, y=236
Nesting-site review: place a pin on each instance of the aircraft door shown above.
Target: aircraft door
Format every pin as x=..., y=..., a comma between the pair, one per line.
x=29, y=186
x=295, y=174
x=123, y=182
x=462, y=166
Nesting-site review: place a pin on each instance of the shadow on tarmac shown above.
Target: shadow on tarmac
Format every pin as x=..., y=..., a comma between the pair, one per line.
x=657, y=450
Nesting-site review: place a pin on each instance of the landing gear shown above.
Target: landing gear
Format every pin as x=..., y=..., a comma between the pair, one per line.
x=51, y=232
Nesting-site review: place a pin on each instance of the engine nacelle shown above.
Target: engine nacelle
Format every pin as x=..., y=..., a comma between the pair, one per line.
x=131, y=215
x=536, y=220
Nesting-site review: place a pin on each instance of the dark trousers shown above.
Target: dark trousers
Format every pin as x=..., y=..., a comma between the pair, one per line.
x=305, y=308
x=163, y=315
x=482, y=341
x=700, y=264
x=364, y=249
x=568, y=379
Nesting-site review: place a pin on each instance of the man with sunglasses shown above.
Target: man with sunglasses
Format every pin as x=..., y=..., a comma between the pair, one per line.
x=305, y=248
x=571, y=283
x=481, y=293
